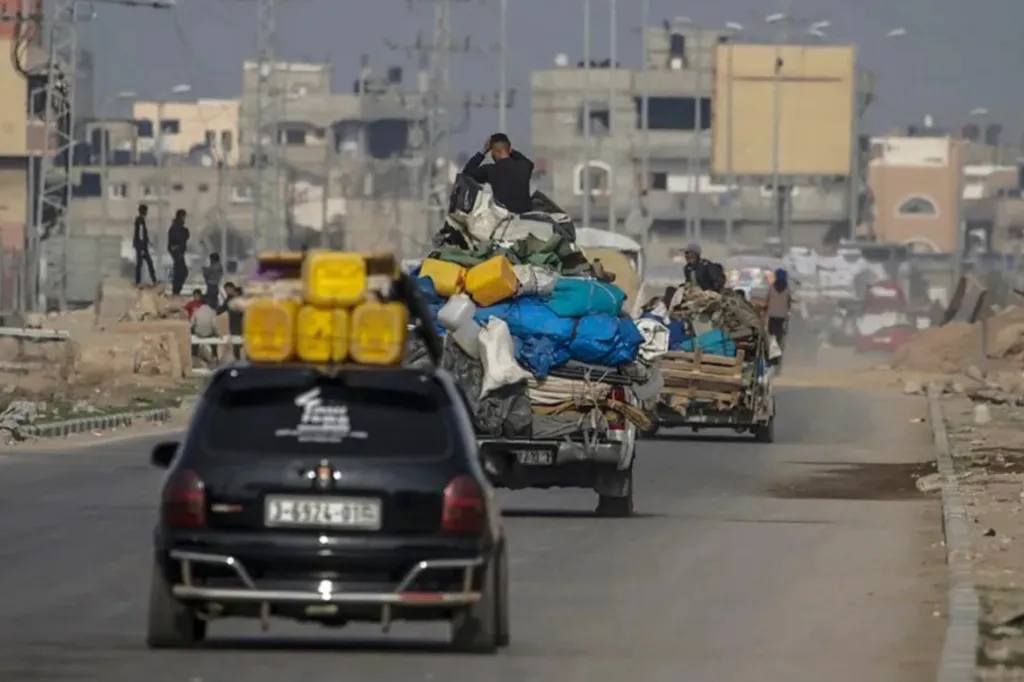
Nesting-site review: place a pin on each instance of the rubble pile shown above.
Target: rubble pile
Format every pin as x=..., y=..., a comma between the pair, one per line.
x=118, y=301
x=958, y=345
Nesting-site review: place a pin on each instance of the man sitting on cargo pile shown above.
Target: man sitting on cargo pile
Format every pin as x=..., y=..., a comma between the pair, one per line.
x=509, y=176
x=701, y=272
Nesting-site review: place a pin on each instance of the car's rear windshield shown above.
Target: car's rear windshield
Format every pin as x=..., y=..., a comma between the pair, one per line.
x=330, y=419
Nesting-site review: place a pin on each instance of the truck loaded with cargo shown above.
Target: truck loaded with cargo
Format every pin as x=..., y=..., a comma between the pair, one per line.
x=717, y=371
x=537, y=337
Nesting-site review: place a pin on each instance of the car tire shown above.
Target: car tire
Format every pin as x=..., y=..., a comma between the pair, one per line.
x=475, y=627
x=502, y=617
x=618, y=506
x=765, y=433
x=172, y=625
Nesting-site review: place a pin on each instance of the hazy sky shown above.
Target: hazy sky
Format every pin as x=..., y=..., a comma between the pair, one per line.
x=957, y=54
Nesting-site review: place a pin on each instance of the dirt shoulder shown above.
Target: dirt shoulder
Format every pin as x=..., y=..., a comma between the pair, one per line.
x=989, y=460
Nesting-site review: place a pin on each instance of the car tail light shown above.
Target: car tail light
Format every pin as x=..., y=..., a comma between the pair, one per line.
x=615, y=420
x=184, y=501
x=464, y=509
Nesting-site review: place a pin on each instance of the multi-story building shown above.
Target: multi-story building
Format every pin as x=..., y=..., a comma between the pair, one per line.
x=679, y=86
x=203, y=125
x=351, y=160
x=915, y=185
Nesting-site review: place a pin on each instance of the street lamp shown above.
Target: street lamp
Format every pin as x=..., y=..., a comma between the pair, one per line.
x=731, y=190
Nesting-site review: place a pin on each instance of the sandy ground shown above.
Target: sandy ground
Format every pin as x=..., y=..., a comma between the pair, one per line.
x=990, y=463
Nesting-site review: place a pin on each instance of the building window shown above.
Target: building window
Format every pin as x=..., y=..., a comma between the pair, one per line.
x=294, y=137
x=149, y=192
x=145, y=128
x=203, y=188
x=170, y=126
x=177, y=187
x=673, y=113
x=226, y=141
x=211, y=139
x=241, y=194
x=600, y=120
x=917, y=206
x=118, y=190
x=600, y=178
x=659, y=181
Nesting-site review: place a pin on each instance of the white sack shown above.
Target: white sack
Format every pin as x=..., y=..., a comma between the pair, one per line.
x=655, y=339
x=498, y=356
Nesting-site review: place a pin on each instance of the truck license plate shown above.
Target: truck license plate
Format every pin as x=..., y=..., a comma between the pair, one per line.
x=535, y=457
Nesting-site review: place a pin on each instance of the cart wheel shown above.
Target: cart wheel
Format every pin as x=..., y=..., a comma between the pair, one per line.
x=765, y=433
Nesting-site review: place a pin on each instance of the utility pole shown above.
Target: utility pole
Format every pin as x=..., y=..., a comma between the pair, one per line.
x=697, y=159
x=780, y=195
x=613, y=39
x=587, y=124
x=438, y=100
x=271, y=91
x=51, y=193
x=503, y=66
x=645, y=106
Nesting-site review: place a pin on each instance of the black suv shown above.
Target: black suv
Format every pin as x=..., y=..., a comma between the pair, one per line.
x=330, y=497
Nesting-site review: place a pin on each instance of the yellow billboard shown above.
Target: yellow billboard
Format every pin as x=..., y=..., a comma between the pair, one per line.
x=807, y=101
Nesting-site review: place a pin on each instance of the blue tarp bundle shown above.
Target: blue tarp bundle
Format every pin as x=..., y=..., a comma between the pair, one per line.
x=578, y=321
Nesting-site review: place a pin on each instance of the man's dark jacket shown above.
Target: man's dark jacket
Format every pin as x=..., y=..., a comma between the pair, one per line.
x=705, y=274
x=177, y=237
x=509, y=179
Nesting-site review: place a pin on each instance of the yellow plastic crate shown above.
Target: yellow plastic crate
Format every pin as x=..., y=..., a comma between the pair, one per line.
x=333, y=278
x=491, y=282
x=322, y=334
x=448, y=277
x=378, y=333
x=268, y=330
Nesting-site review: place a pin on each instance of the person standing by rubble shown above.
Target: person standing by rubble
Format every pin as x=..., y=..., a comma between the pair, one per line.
x=141, y=244
x=212, y=275
x=177, y=244
x=778, y=307
x=234, y=313
x=203, y=325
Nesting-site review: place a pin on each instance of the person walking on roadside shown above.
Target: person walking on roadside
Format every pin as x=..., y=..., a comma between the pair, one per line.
x=141, y=244
x=177, y=244
x=779, y=305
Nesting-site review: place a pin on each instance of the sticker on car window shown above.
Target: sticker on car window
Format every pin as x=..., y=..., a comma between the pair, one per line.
x=319, y=422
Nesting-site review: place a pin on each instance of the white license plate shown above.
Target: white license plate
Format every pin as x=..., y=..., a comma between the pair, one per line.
x=322, y=512
x=535, y=457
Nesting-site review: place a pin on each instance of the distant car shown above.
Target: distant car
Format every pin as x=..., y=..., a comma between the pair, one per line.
x=331, y=498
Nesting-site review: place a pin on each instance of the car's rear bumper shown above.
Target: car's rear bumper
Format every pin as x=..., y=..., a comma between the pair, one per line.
x=611, y=448
x=402, y=593
x=235, y=573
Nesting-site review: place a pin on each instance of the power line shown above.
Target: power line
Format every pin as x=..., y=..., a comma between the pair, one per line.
x=438, y=99
x=50, y=186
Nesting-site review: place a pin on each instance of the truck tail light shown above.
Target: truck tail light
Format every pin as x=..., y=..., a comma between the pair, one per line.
x=615, y=420
x=184, y=501
x=464, y=510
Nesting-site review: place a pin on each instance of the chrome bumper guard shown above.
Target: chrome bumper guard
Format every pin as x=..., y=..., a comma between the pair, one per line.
x=324, y=599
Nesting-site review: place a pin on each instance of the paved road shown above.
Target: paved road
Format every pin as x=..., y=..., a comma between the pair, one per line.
x=733, y=570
